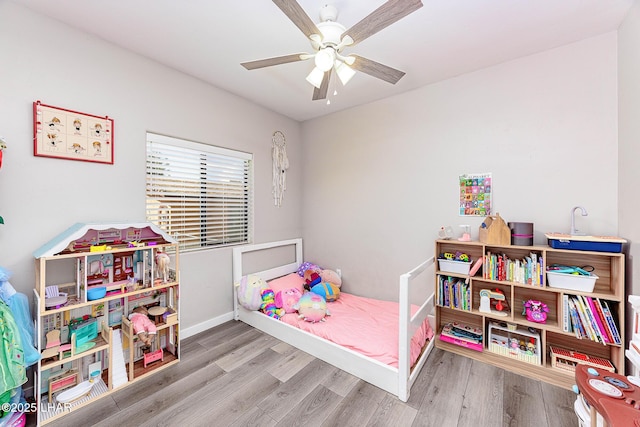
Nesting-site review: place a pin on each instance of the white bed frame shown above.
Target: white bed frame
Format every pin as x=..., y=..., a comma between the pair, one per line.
x=397, y=381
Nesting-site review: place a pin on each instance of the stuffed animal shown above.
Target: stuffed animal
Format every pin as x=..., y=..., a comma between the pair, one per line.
x=249, y=291
x=269, y=305
x=143, y=326
x=328, y=291
x=287, y=299
x=307, y=266
x=331, y=277
x=312, y=307
x=311, y=278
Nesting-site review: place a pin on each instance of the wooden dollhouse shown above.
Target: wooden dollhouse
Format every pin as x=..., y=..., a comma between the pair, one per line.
x=104, y=271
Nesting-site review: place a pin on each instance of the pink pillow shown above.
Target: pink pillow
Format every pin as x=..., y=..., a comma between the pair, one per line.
x=289, y=281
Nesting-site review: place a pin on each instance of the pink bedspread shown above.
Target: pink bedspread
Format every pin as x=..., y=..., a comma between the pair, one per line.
x=365, y=325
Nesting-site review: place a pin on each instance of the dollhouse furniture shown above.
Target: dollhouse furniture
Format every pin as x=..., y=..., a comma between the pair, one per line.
x=409, y=341
x=54, y=298
x=152, y=357
x=157, y=313
x=518, y=272
x=79, y=333
x=61, y=382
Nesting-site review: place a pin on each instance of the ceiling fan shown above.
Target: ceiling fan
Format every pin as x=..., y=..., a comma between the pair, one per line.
x=329, y=38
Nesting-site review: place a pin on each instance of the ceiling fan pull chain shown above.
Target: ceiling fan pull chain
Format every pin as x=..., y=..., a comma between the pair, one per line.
x=280, y=166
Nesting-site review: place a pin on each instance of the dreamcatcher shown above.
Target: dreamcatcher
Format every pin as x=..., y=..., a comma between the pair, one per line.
x=280, y=166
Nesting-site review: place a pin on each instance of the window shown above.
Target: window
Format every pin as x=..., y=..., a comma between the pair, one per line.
x=198, y=193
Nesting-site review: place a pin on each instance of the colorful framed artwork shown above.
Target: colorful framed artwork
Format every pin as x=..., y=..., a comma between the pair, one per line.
x=67, y=134
x=475, y=194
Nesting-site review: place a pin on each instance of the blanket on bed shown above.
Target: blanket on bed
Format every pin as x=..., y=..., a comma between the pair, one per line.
x=365, y=325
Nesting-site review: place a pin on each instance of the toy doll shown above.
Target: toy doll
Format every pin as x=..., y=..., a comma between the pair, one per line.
x=143, y=326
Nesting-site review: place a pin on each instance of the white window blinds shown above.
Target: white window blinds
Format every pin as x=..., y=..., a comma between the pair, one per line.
x=198, y=193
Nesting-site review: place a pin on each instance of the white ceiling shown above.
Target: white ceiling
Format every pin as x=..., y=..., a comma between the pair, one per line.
x=208, y=39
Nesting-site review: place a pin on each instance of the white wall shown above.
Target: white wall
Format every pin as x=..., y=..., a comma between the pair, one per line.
x=380, y=179
x=41, y=197
x=629, y=133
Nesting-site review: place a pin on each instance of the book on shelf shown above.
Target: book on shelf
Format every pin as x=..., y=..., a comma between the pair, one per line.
x=577, y=327
x=454, y=293
x=611, y=322
x=582, y=317
x=591, y=318
x=566, y=319
x=528, y=270
x=462, y=332
x=593, y=303
x=462, y=336
x=598, y=306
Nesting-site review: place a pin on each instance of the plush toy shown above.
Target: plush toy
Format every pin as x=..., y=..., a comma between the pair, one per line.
x=308, y=266
x=328, y=291
x=143, y=326
x=312, y=307
x=287, y=299
x=269, y=305
x=249, y=291
x=311, y=278
x=331, y=277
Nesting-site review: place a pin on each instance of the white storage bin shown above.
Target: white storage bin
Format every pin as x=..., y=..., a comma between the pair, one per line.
x=450, y=266
x=501, y=340
x=574, y=282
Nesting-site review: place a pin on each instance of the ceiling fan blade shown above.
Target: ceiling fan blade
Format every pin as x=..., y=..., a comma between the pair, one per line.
x=321, y=93
x=298, y=16
x=377, y=69
x=261, y=63
x=390, y=12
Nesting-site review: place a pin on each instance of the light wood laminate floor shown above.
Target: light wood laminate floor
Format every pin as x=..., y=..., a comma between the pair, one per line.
x=234, y=375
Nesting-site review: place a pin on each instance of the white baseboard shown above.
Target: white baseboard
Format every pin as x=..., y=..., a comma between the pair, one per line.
x=201, y=327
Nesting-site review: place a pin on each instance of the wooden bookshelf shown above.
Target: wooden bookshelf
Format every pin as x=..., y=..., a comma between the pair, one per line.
x=556, y=331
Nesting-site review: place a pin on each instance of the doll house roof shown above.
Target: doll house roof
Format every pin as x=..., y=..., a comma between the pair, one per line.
x=88, y=234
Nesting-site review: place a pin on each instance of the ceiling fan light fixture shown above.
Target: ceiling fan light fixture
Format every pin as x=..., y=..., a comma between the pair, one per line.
x=325, y=58
x=315, y=77
x=331, y=32
x=328, y=38
x=344, y=72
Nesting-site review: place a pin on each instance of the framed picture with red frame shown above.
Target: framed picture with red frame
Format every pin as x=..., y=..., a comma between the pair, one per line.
x=67, y=134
